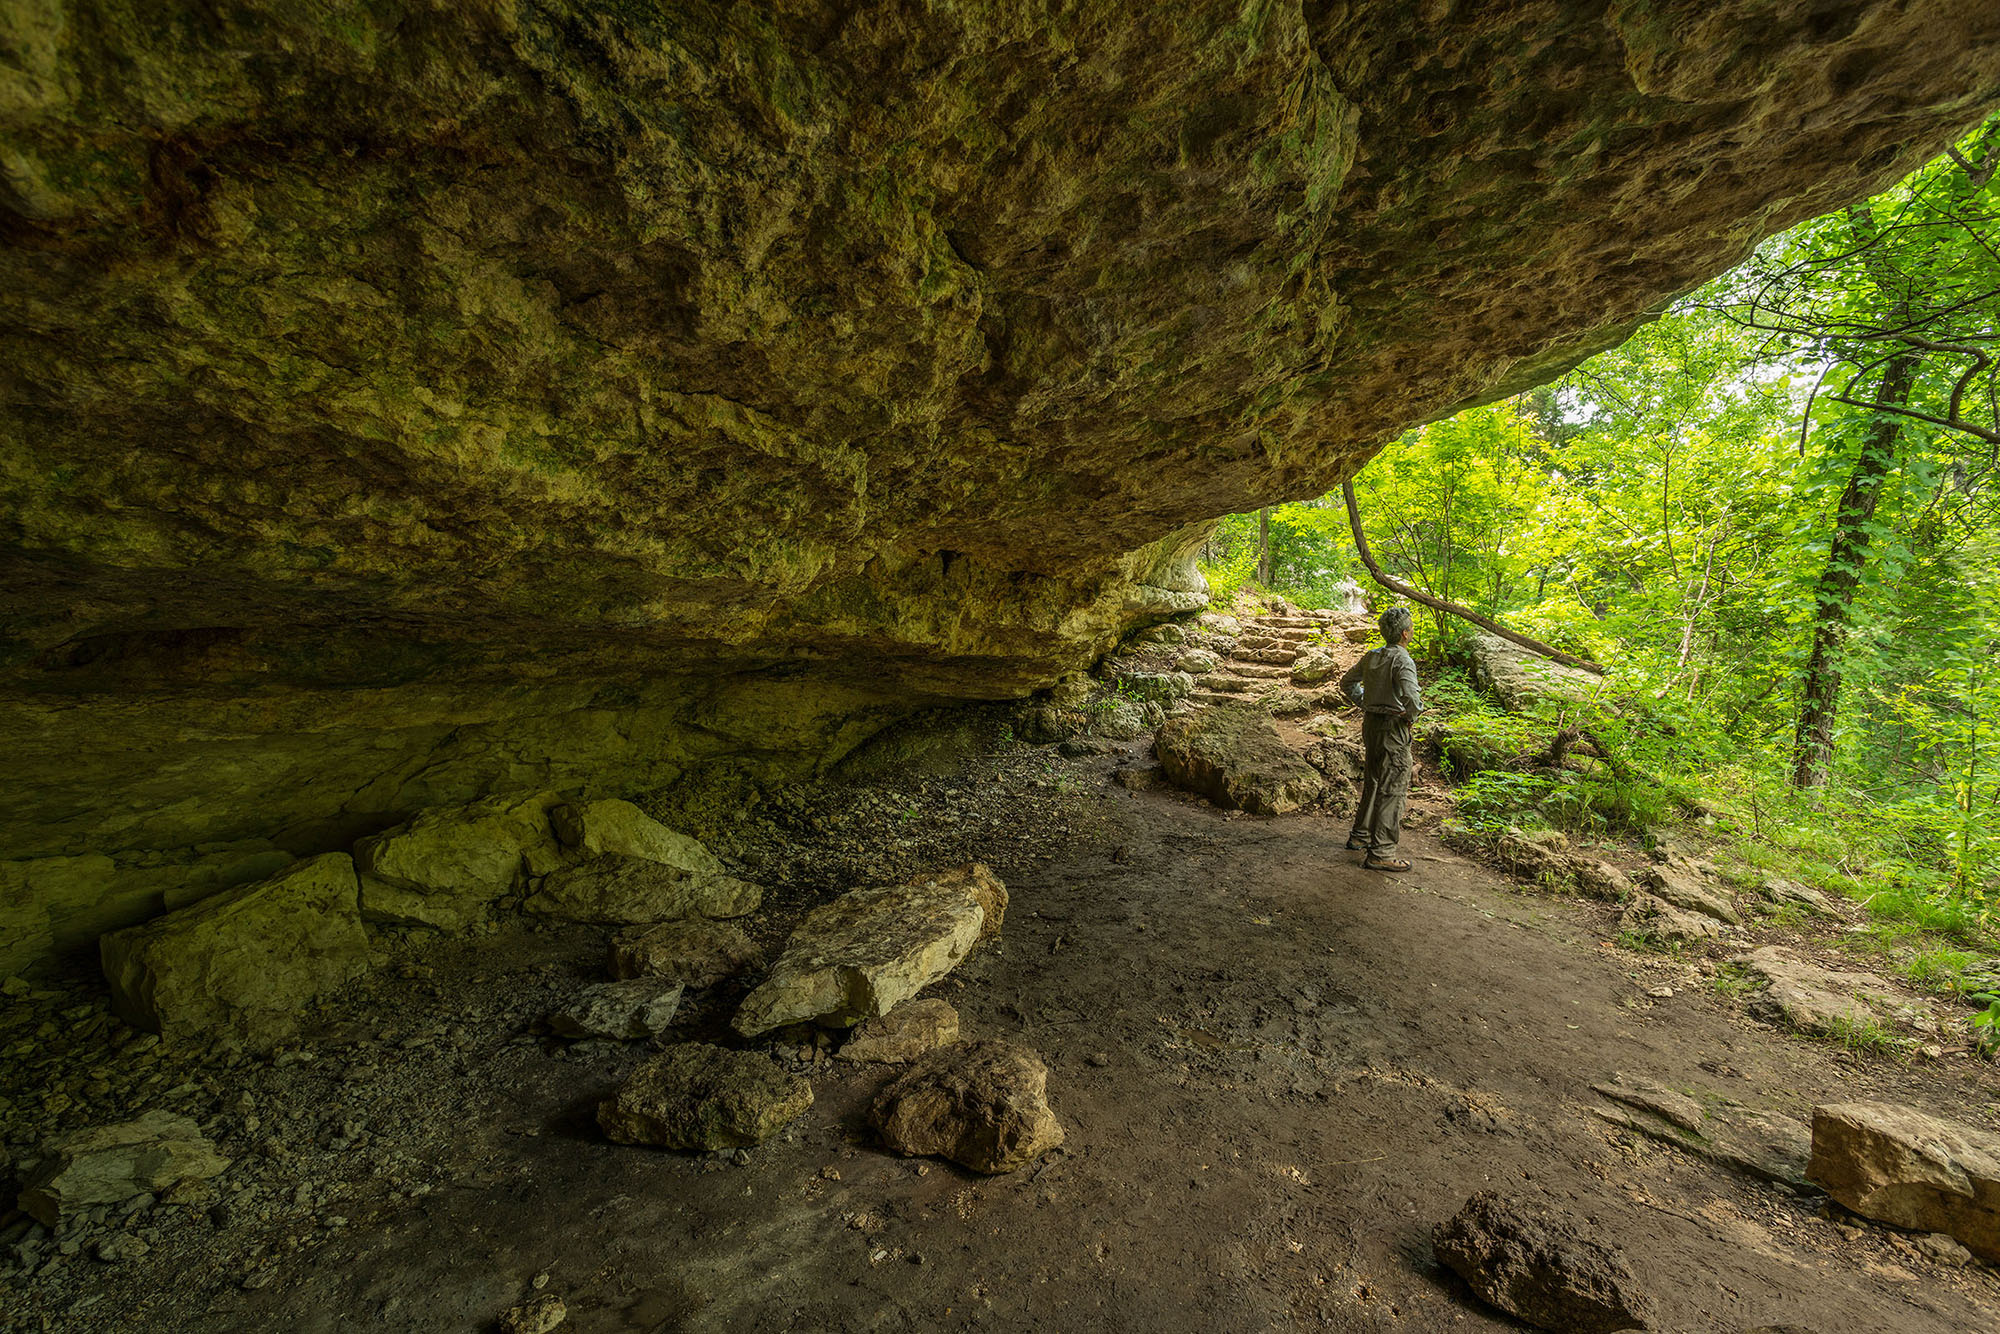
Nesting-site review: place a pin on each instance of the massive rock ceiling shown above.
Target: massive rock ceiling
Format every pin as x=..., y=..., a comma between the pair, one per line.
x=405, y=401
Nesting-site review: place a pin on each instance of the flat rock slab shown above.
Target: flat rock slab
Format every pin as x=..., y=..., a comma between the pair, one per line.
x=112, y=1164
x=867, y=951
x=1909, y=1169
x=1541, y=1264
x=1521, y=678
x=1816, y=1000
x=1233, y=755
x=237, y=967
x=1791, y=893
x=905, y=1033
x=613, y=887
x=1763, y=1144
x=622, y=1011
x=444, y=867
x=1683, y=886
x=1653, y=919
x=702, y=1097
x=983, y=1105
x=695, y=953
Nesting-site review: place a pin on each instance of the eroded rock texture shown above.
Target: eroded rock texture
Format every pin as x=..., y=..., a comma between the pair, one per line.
x=402, y=402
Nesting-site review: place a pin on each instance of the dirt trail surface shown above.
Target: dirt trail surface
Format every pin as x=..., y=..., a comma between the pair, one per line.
x=1277, y=1071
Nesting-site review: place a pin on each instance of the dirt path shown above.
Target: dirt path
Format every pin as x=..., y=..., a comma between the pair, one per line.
x=1278, y=1072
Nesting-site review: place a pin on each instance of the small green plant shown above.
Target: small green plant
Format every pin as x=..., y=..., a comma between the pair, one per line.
x=1940, y=968
x=1862, y=1034
x=1732, y=980
x=1986, y=1027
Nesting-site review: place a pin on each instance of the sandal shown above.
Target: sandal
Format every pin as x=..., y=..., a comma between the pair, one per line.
x=1357, y=845
x=1387, y=864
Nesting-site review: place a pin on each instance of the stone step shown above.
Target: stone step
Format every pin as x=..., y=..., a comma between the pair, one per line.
x=1274, y=639
x=1231, y=685
x=1257, y=670
x=1267, y=657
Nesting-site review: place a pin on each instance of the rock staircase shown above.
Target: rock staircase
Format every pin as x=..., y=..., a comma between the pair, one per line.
x=1264, y=651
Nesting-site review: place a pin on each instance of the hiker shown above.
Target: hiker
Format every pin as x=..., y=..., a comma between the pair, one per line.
x=1384, y=684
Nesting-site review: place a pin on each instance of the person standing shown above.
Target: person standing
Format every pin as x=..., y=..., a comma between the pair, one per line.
x=1384, y=684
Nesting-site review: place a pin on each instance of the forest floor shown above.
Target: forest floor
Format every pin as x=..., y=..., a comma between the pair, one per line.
x=1278, y=1072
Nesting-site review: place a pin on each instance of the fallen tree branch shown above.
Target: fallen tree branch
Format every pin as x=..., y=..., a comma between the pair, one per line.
x=1452, y=608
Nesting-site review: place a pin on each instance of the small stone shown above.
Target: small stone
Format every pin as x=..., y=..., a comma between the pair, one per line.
x=1660, y=993
x=622, y=1011
x=1944, y=1249
x=1536, y=1262
x=538, y=1315
x=120, y=1247
x=698, y=1096
x=1098, y=1059
x=983, y=1105
x=903, y=1034
x=15, y=987
x=540, y=1281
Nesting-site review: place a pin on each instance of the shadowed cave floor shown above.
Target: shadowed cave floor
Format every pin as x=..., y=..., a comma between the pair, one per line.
x=1277, y=1071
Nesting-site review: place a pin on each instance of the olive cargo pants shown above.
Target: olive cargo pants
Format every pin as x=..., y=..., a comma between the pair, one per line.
x=1385, y=782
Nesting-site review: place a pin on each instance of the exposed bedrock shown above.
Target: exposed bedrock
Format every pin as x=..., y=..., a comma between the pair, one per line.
x=404, y=402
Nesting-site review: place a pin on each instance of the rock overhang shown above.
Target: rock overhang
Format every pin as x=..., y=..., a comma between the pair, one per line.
x=406, y=402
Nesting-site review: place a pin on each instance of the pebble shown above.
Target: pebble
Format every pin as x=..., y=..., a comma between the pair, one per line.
x=1098, y=1059
x=1660, y=993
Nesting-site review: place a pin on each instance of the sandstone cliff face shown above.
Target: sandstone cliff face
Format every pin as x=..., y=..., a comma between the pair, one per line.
x=401, y=401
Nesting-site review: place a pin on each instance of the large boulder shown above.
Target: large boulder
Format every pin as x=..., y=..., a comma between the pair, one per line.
x=1542, y=1264
x=697, y=1096
x=1912, y=1170
x=618, y=889
x=1521, y=678
x=983, y=1105
x=444, y=867
x=111, y=1164
x=867, y=951
x=237, y=967
x=1233, y=755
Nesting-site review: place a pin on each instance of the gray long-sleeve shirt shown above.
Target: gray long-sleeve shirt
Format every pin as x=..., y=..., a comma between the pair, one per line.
x=1388, y=680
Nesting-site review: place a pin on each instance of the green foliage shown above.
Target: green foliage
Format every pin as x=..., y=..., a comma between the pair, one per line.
x=1670, y=509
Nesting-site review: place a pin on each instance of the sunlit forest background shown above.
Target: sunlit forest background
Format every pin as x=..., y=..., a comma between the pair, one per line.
x=1772, y=515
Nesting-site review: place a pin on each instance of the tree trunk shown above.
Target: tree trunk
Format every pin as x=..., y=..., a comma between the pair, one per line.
x=1264, y=547
x=1833, y=597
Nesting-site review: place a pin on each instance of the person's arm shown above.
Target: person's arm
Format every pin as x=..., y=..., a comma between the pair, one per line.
x=1406, y=686
x=1352, y=679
